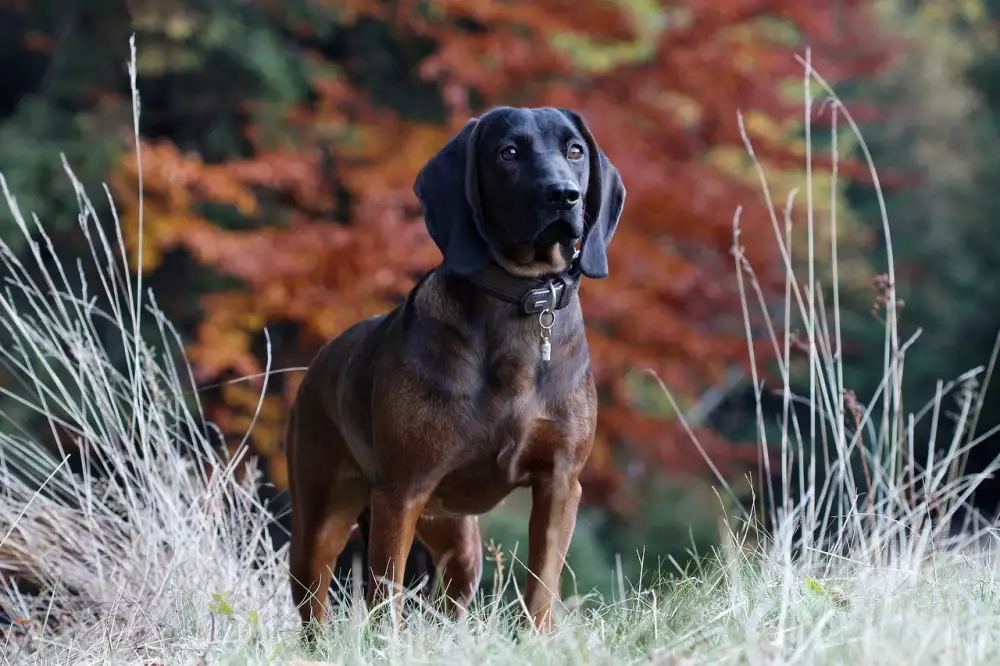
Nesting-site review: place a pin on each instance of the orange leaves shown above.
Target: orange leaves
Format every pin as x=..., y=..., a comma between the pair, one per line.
x=390, y=155
x=180, y=179
x=266, y=424
x=296, y=266
x=224, y=337
x=173, y=183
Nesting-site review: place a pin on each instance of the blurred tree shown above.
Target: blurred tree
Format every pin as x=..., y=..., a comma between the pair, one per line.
x=54, y=99
x=935, y=132
x=316, y=218
x=940, y=129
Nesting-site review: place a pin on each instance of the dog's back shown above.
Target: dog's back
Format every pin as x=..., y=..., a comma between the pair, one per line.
x=338, y=384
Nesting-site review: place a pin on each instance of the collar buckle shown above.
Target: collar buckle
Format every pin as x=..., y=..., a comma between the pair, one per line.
x=532, y=295
x=552, y=294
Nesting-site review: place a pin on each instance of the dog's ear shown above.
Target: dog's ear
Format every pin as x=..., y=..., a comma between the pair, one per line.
x=448, y=189
x=602, y=207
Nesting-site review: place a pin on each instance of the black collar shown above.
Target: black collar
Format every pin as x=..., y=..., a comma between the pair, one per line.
x=533, y=294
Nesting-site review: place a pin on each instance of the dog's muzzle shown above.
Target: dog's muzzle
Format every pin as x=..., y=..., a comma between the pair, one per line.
x=560, y=231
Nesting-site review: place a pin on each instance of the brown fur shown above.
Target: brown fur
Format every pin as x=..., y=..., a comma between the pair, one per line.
x=430, y=415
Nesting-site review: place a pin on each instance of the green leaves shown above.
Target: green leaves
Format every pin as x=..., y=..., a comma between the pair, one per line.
x=220, y=604
x=830, y=593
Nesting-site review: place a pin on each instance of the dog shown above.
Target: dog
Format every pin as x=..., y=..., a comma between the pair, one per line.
x=427, y=417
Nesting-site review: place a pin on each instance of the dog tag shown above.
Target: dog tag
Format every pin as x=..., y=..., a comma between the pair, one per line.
x=547, y=319
x=546, y=322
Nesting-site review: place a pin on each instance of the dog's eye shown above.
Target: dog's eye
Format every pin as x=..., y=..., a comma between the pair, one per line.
x=575, y=152
x=508, y=153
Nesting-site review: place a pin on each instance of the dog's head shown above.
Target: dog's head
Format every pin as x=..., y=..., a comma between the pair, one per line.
x=522, y=187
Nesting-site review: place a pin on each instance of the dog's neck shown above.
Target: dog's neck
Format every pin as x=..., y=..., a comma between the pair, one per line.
x=493, y=329
x=496, y=335
x=532, y=294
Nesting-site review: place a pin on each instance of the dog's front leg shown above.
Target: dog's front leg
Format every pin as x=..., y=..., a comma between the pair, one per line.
x=394, y=515
x=555, y=498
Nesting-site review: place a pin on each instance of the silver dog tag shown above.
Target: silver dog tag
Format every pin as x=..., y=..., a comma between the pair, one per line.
x=547, y=319
x=546, y=322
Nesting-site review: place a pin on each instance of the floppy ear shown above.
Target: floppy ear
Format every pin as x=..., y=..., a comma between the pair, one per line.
x=448, y=189
x=602, y=206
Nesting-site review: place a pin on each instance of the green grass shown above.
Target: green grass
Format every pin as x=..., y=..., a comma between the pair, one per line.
x=167, y=562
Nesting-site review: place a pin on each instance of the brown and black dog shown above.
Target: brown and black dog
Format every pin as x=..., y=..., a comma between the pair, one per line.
x=479, y=383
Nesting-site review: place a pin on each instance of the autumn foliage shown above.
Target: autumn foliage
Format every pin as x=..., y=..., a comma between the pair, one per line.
x=334, y=232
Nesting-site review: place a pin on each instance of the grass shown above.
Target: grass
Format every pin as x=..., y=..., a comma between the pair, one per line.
x=153, y=553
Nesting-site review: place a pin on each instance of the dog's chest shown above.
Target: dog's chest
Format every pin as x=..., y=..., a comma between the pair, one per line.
x=514, y=434
x=490, y=465
x=494, y=408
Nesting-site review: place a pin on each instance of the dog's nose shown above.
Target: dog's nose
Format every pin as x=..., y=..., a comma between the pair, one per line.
x=562, y=195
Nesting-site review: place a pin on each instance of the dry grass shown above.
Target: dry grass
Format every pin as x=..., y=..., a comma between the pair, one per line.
x=167, y=561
